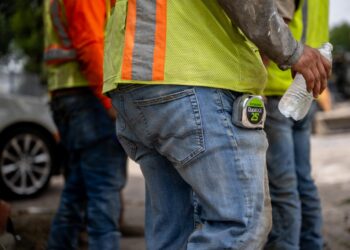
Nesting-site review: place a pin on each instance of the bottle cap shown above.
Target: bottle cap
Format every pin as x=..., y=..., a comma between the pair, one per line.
x=327, y=46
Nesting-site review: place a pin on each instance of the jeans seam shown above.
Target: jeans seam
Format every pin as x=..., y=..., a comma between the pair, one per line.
x=165, y=98
x=139, y=109
x=239, y=166
x=199, y=131
x=122, y=107
x=199, y=135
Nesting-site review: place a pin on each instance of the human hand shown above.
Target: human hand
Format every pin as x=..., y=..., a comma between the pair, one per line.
x=264, y=59
x=4, y=214
x=315, y=68
x=112, y=113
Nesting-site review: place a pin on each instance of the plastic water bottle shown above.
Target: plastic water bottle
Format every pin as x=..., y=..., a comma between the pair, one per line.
x=296, y=101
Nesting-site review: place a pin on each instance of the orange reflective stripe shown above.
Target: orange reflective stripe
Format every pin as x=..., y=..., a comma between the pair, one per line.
x=108, y=9
x=160, y=41
x=129, y=41
x=145, y=41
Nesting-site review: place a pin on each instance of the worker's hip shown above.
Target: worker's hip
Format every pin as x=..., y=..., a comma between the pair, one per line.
x=192, y=127
x=81, y=120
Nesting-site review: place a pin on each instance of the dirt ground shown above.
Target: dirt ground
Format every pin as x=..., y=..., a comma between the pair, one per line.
x=34, y=229
x=331, y=170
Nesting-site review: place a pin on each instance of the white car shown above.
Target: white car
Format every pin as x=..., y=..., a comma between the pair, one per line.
x=28, y=146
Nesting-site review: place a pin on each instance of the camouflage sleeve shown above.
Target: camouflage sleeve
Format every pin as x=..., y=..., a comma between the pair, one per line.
x=260, y=22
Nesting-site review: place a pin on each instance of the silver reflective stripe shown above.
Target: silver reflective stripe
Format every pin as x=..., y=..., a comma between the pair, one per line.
x=305, y=16
x=59, y=54
x=57, y=22
x=142, y=62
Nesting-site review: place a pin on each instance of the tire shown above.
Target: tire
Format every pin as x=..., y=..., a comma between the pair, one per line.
x=26, y=162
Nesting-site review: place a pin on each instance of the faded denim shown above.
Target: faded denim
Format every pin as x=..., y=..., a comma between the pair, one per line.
x=97, y=174
x=184, y=139
x=296, y=209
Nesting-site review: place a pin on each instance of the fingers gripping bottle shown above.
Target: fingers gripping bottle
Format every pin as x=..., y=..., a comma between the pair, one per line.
x=296, y=101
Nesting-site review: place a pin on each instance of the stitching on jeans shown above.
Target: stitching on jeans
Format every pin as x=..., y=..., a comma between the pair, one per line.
x=198, y=133
x=240, y=166
x=165, y=98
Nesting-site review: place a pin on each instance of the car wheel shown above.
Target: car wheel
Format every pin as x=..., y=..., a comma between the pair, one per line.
x=26, y=162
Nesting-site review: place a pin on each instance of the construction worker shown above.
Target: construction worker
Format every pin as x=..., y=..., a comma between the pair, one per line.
x=177, y=72
x=74, y=34
x=296, y=208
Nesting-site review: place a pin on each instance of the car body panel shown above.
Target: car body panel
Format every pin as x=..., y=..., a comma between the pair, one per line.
x=24, y=118
x=25, y=109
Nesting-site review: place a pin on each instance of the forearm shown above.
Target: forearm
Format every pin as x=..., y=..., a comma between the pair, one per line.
x=261, y=23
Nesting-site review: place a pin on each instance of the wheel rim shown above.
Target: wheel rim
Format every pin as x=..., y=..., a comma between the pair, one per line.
x=25, y=164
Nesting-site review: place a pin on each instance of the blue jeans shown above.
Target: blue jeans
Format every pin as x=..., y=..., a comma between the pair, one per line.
x=97, y=170
x=296, y=210
x=184, y=139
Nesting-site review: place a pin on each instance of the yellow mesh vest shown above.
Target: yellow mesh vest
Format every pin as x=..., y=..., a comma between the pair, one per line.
x=64, y=74
x=180, y=42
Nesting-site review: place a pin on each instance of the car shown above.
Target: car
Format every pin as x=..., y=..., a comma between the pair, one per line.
x=29, y=151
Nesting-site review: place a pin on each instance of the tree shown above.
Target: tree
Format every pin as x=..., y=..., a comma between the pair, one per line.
x=6, y=10
x=21, y=26
x=340, y=37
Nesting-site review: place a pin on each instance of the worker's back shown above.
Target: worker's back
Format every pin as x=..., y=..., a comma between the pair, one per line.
x=185, y=42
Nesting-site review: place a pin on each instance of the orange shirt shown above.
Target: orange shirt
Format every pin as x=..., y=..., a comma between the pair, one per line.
x=86, y=22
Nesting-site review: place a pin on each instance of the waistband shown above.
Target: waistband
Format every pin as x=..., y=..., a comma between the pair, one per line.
x=125, y=87
x=71, y=91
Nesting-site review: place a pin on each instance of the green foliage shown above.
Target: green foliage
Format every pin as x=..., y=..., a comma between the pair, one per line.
x=21, y=25
x=6, y=9
x=4, y=34
x=340, y=37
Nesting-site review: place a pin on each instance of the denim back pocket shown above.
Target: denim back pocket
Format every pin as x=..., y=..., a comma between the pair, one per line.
x=173, y=125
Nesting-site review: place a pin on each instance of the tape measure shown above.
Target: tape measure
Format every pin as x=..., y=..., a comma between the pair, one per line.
x=249, y=112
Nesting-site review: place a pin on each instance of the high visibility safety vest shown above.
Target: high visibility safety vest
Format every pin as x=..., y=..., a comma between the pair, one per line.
x=59, y=55
x=182, y=42
x=309, y=25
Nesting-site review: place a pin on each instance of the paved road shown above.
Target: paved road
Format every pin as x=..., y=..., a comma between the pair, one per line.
x=331, y=170
x=331, y=162
x=41, y=209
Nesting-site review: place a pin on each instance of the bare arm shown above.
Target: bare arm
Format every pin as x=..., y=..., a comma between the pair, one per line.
x=261, y=23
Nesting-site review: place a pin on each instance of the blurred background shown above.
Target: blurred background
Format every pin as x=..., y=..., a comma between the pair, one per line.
x=25, y=119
